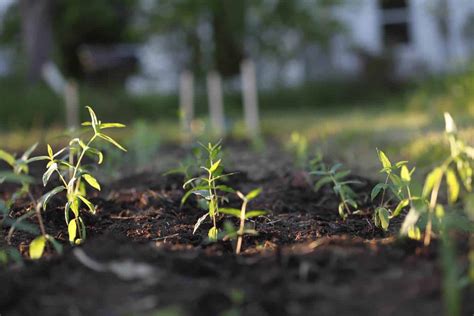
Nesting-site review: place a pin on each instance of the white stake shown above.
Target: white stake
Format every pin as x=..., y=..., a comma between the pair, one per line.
x=71, y=99
x=216, y=108
x=186, y=100
x=250, y=97
x=66, y=90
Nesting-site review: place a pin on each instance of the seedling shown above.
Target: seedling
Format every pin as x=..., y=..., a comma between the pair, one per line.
x=399, y=185
x=340, y=184
x=460, y=160
x=207, y=188
x=67, y=163
x=243, y=215
x=298, y=146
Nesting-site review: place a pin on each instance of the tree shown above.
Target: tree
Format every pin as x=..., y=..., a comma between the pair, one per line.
x=220, y=33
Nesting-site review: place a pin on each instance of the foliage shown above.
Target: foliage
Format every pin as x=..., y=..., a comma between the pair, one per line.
x=341, y=186
x=243, y=215
x=399, y=185
x=68, y=164
x=207, y=188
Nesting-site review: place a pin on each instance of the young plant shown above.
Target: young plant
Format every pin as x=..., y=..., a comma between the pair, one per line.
x=243, y=215
x=398, y=184
x=298, y=146
x=340, y=184
x=68, y=164
x=458, y=166
x=208, y=189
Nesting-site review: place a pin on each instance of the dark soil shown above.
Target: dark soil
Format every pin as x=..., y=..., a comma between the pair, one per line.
x=142, y=258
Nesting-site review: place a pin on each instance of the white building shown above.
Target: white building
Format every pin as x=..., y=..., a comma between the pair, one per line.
x=429, y=35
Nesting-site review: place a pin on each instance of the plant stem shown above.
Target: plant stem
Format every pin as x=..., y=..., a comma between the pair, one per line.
x=242, y=226
x=432, y=205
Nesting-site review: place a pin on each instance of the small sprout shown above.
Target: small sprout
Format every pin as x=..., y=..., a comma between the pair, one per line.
x=207, y=189
x=67, y=163
x=243, y=215
x=338, y=178
x=399, y=185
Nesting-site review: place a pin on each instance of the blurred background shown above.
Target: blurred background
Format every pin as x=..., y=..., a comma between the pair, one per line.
x=345, y=75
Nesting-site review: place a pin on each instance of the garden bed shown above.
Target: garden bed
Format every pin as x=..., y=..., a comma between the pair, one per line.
x=141, y=256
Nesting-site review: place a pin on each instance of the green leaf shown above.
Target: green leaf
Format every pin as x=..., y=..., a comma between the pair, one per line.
x=432, y=178
x=321, y=182
x=212, y=234
x=52, y=168
x=111, y=125
x=91, y=181
x=453, y=186
x=215, y=166
x=111, y=140
x=255, y=213
x=29, y=151
x=414, y=233
x=94, y=121
x=88, y=203
x=384, y=217
x=403, y=203
x=253, y=194
x=14, y=178
x=47, y=197
x=405, y=174
x=386, y=164
x=8, y=158
x=376, y=190
x=50, y=151
x=37, y=247
x=72, y=230
x=230, y=211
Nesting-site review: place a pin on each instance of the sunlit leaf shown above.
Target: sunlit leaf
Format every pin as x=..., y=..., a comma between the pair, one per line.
x=403, y=203
x=386, y=164
x=37, y=247
x=450, y=126
x=111, y=125
x=88, y=203
x=255, y=213
x=230, y=211
x=72, y=230
x=384, y=218
x=8, y=158
x=213, y=233
x=91, y=181
x=405, y=174
x=215, y=166
x=111, y=140
x=432, y=178
x=253, y=194
x=453, y=186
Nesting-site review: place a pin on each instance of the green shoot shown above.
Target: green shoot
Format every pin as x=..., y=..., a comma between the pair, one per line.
x=298, y=146
x=399, y=185
x=67, y=163
x=340, y=184
x=243, y=215
x=207, y=188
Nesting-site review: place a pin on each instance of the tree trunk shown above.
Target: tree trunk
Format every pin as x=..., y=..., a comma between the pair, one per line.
x=36, y=35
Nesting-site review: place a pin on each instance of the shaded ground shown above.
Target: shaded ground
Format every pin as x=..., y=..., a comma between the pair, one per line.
x=142, y=258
